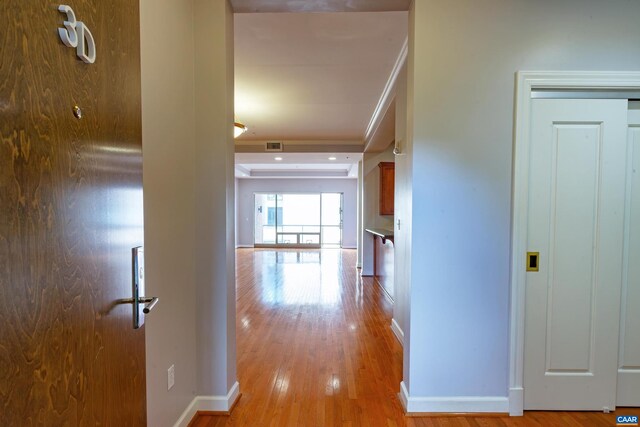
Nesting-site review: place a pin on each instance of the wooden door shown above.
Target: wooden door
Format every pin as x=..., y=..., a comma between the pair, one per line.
x=70, y=212
x=576, y=213
x=629, y=358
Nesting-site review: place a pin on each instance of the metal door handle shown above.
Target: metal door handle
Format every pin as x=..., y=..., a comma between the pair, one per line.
x=150, y=301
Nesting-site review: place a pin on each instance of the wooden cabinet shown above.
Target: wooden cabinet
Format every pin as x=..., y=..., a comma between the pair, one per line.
x=387, y=187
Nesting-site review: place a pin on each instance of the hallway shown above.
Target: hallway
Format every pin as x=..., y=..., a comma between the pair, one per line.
x=315, y=349
x=314, y=344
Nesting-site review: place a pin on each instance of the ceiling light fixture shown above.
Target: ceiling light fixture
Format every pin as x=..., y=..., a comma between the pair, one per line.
x=332, y=158
x=238, y=129
x=277, y=158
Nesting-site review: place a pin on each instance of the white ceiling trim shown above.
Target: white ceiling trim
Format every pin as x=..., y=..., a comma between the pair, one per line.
x=297, y=165
x=388, y=94
x=299, y=174
x=302, y=142
x=295, y=146
x=271, y=6
x=243, y=170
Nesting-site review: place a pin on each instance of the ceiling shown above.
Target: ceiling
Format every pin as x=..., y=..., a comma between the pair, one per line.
x=313, y=76
x=297, y=165
x=250, y=6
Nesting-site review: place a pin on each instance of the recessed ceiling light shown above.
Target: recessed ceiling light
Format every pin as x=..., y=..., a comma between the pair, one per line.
x=277, y=158
x=332, y=158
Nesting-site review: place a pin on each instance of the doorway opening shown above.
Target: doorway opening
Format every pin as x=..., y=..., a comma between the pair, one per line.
x=310, y=220
x=298, y=196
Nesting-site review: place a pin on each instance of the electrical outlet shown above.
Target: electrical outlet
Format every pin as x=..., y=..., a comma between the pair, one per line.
x=171, y=376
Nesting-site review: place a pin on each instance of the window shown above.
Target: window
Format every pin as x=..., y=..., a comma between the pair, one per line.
x=306, y=220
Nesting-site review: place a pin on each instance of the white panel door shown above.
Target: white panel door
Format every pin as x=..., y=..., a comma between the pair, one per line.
x=629, y=359
x=576, y=221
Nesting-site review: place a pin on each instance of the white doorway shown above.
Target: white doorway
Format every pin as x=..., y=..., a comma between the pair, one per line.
x=574, y=222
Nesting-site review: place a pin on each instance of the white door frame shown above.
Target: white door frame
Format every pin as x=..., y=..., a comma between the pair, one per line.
x=526, y=82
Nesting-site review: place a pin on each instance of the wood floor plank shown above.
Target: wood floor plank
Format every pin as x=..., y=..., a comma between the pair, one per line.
x=315, y=349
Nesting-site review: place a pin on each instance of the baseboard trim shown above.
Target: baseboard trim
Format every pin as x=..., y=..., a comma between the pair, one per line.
x=188, y=414
x=404, y=396
x=244, y=246
x=219, y=403
x=209, y=404
x=453, y=404
x=397, y=331
x=382, y=288
x=516, y=401
x=349, y=247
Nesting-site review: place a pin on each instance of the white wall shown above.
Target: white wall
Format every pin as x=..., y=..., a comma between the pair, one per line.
x=169, y=204
x=187, y=125
x=360, y=228
x=215, y=212
x=402, y=208
x=461, y=79
x=246, y=188
x=370, y=204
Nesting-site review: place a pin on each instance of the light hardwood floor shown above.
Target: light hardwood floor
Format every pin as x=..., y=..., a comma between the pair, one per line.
x=315, y=349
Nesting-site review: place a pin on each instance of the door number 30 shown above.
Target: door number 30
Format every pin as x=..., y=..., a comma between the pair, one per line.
x=76, y=34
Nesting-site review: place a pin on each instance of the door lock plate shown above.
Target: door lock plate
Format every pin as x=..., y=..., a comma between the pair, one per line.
x=533, y=261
